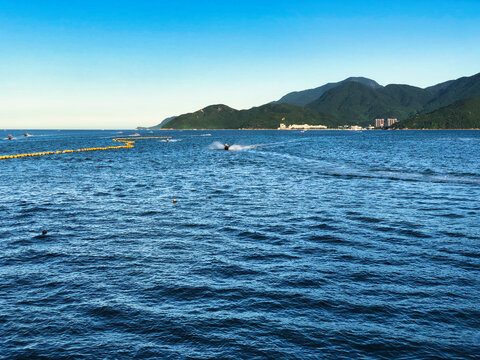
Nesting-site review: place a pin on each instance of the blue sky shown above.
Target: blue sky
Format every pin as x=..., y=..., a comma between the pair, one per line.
x=119, y=64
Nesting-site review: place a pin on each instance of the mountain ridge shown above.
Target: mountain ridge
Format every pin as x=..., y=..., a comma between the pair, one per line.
x=346, y=102
x=462, y=114
x=303, y=97
x=268, y=116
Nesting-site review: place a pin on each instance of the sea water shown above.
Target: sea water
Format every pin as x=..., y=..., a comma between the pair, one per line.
x=323, y=244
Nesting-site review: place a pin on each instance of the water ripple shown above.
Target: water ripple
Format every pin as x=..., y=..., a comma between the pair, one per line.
x=308, y=245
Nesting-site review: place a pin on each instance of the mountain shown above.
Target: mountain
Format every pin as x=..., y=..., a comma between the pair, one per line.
x=353, y=101
x=359, y=104
x=270, y=116
x=302, y=98
x=356, y=103
x=164, y=122
x=455, y=90
x=463, y=114
x=267, y=116
x=212, y=117
x=440, y=86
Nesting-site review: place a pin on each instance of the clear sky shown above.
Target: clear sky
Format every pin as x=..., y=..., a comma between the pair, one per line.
x=123, y=63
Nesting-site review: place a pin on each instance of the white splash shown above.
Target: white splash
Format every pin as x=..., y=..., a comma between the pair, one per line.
x=216, y=146
x=219, y=146
x=242, y=147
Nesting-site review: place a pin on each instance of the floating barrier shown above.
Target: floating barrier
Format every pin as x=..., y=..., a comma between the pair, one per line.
x=129, y=143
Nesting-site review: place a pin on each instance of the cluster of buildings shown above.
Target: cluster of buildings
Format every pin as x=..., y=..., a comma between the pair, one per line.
x=380, y=123
x=321, y=127
x=354, y=127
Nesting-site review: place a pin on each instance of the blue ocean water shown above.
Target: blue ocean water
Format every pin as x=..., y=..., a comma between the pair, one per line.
x=323, y=244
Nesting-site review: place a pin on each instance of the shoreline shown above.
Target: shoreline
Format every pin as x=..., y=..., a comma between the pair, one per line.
x=475, y=129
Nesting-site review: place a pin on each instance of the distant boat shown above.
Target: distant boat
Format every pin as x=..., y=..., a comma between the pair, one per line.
x=9, y=137
x=27, y=134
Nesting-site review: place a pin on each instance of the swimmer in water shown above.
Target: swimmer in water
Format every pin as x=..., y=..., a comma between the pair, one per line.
x=226, y=146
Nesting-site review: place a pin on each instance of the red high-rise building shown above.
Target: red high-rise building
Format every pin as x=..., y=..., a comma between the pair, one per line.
x=379, y=123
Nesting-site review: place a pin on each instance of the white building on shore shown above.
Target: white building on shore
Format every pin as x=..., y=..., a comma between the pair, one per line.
x=302, y=127
x=356, y=128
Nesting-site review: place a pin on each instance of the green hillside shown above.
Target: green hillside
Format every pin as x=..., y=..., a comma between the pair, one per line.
x=268, y=116
x=459, y=89
x=212, y=117
x=302, y=98
x=463, y=114
x=405, y=100
x=356, y=103
x=441, y=86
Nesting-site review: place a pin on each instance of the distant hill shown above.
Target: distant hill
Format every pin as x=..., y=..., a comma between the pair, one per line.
x=267, y=116
x=353, y=101
x=463, y=114
x=455, y=90
x=440, y=86
x=359, y=104
x=302, y=98
x=212, y=117
x=164, y=122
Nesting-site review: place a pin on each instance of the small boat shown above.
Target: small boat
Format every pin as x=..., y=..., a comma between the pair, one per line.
x=9, y=137
x=27, y=134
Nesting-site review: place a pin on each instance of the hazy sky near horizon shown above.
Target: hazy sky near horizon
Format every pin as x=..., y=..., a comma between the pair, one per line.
x=123, y=63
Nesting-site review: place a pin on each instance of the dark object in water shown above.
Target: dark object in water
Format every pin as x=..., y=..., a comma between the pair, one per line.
x=9, y=137
x=44, y=232
x=226, y=146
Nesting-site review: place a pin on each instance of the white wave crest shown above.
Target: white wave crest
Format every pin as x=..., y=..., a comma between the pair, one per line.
x=219, y=146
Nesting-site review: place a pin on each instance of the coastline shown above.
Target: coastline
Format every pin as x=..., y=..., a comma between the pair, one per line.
x=170, y=129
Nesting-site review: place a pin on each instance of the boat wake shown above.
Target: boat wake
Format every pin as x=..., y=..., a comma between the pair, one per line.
x=219, y=146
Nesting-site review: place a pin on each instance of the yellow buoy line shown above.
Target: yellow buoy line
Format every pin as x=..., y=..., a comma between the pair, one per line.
x=127, y=141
